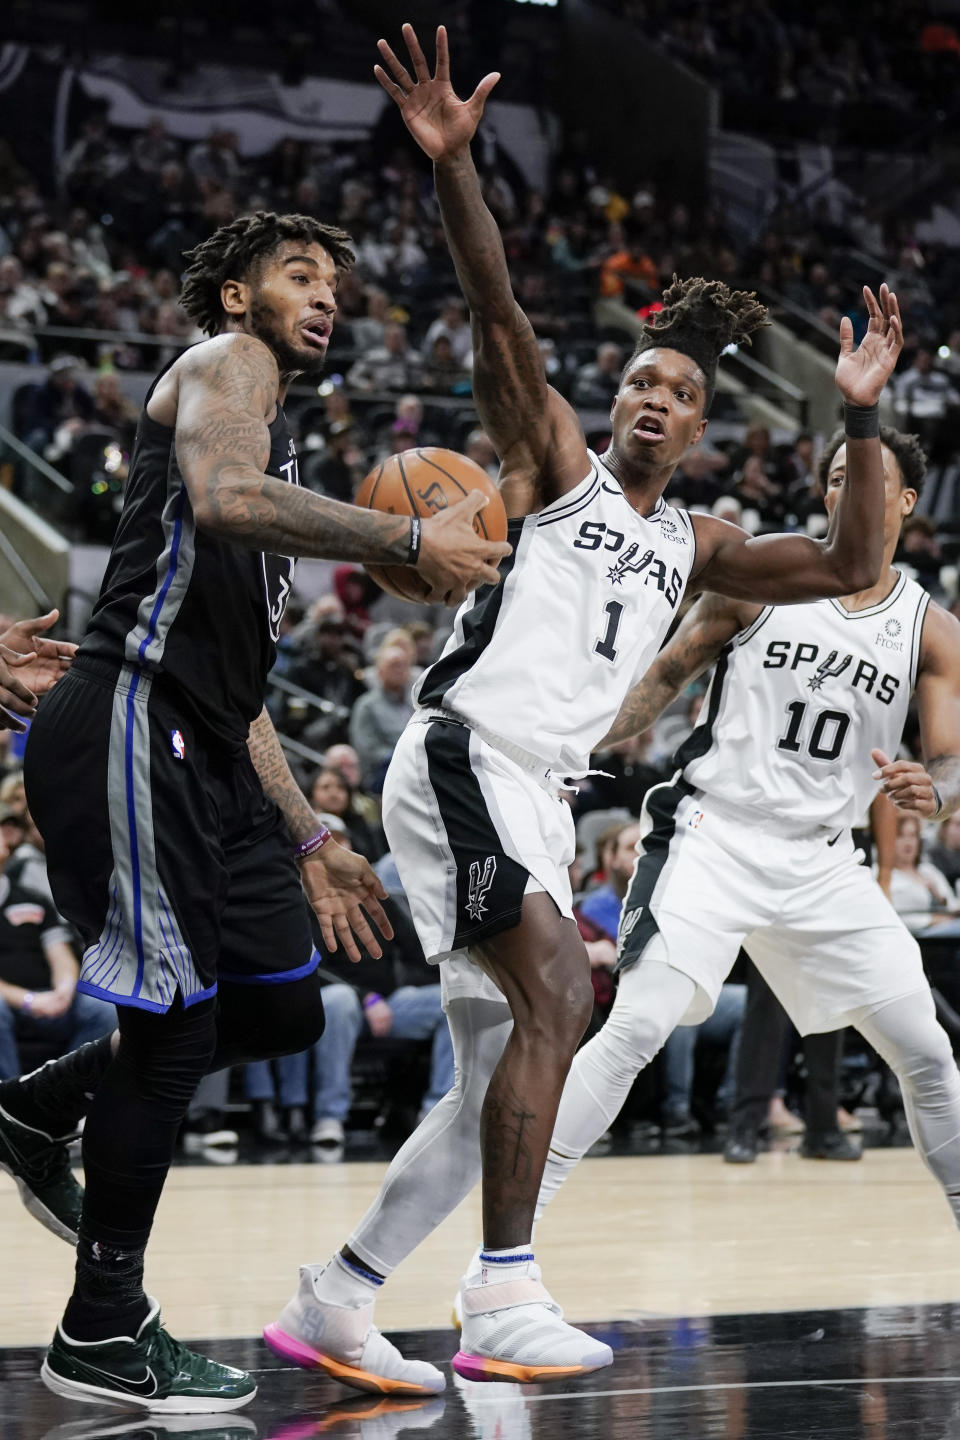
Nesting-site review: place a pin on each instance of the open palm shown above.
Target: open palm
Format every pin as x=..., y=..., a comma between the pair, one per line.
x=439, y=121
x=863, y=372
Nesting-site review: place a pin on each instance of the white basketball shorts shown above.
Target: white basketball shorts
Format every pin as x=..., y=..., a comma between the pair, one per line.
x=471, y=831
x=813, y=920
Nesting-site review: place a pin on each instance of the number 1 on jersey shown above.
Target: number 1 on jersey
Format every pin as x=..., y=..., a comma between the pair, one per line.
x=605, y=646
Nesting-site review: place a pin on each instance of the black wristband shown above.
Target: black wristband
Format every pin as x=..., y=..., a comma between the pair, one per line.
x=415, y=529
x=861, y=422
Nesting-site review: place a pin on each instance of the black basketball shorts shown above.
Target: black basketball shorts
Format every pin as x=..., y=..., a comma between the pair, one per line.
x=162, y=849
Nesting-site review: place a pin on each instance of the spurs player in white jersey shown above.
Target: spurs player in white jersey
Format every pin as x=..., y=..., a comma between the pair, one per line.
x=532, y=679
x=749, y=843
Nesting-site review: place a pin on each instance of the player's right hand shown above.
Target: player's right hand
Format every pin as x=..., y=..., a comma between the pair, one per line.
x=441, y=123
x=454, y=559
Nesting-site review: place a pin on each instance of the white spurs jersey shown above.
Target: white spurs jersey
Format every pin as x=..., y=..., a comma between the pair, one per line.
x=545, y=659
x=797, y=702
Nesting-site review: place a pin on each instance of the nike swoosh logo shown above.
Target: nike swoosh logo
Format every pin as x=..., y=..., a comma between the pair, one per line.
x=144, y=1385
x=835, y=838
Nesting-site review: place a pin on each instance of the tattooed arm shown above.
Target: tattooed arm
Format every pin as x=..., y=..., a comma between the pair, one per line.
x=534, y=431
x=277, y=779
x=705, y=629
x=227, y=393
x=931, y=789
x=337, y=882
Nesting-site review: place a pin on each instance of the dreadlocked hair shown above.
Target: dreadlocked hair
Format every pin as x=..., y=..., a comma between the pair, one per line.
x=906, y=449
x=700, y=318
x=235, y=250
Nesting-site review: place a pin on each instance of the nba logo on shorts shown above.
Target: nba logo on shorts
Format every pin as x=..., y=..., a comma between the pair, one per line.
x=694, y=822
x=177, y=745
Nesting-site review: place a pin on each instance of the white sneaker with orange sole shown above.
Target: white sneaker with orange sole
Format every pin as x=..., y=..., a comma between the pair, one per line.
x=513, y=1330
x=343, y=1341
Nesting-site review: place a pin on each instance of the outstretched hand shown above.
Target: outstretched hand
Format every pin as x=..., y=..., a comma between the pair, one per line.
x=338, y=882
x=439, y=121
x=863, y=372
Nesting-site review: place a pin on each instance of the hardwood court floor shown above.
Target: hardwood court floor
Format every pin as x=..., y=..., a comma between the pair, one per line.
x=789, y=1300
x=627, y=1237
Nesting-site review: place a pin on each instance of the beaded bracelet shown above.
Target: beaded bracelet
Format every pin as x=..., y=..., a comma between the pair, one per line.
x=311, y=846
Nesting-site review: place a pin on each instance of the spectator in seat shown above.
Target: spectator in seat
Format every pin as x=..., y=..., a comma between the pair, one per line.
x=390, y=366
x=944, y=853
x=367, y=331
x=921, y=894
x=443, y=374
x=379, y=716
x=597, y=382
x=59, y=402
x=38, y=977
x=479, y=449
x=922, y=398
x=616, y=851
x=331, y=793
x=322, y=666
x=341, y=467
x=453, y=325
x=345, y=759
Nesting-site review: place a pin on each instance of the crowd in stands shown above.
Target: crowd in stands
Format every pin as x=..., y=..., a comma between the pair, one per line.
x=104, y=256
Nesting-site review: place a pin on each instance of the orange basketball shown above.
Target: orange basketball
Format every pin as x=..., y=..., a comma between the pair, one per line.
x=421, y=482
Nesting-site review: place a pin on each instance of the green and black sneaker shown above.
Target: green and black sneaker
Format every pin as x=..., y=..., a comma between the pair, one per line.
x=40, y=1166
x=153, y=1372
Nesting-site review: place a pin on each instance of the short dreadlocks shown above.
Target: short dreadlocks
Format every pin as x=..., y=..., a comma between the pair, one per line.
x=700, y=318
x=234, y=251
x=906, y=449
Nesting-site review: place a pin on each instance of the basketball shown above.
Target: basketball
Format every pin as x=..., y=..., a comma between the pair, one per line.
x=421, y=482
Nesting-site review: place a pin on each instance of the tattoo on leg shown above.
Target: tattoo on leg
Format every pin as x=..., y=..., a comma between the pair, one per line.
x=507, y=1151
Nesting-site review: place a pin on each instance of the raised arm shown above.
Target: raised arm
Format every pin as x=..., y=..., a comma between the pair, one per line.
x=534, y=431
x=707, y=626
x=777, y=569
x=226, y=393
x=931, y=789
x=337, y=881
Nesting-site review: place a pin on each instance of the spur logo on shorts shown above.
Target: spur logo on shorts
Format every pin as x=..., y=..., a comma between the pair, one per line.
x=480, y=882
x=178, y=745
x=628, y=923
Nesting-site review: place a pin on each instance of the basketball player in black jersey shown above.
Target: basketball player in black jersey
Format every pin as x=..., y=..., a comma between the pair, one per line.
x=173, y=826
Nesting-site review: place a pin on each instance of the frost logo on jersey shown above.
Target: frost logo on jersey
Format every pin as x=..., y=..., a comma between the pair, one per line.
x=628, y=564
x=888, y=639
x=178, y=745
x=828, y=668
x=628, y=924
x=480, y=882
x=670, y=530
